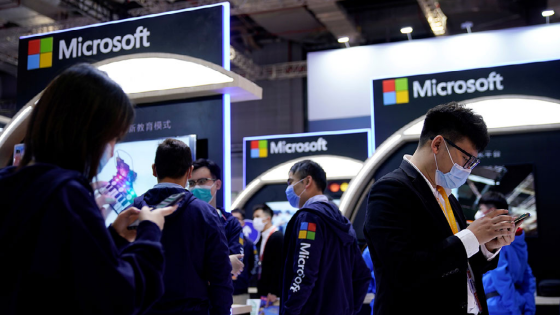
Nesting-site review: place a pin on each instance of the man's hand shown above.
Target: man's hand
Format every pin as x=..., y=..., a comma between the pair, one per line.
x=494, y=225
x=123, y=220
x=101, y=198
x=270, y=299
x=157, y=215
x=499, y=242
x=236, y=264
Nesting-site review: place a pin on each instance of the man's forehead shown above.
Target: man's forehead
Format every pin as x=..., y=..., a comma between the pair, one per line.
x=202, y=172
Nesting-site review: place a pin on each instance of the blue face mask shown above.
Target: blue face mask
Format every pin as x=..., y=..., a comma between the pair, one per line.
x=104, y=158
x=203, y=193
x=291, y=195
x=456, y=177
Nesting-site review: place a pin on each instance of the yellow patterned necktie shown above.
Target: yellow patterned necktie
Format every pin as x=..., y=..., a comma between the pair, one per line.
x=447, y=210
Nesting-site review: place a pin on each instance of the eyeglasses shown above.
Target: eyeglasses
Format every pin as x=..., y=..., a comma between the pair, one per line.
x=471, y=163
x=200, y=181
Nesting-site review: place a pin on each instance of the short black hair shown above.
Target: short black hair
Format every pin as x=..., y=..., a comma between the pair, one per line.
x=240, y=211
x=173, y=159
x=455, y=121
x=211, y=165
x=266, y=209
x=309, y=168
x=494, y=199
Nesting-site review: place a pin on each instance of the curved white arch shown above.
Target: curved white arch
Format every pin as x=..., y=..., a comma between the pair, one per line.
x=216, y=81
x=504, y=114
x=336, y=167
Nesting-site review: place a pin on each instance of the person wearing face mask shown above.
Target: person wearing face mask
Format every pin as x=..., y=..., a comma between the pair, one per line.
x=57, y=255
x=269, y=247
x=510, y=288
x=197, y=266
x=324, y=272
x=425, y=257
x=204, y=185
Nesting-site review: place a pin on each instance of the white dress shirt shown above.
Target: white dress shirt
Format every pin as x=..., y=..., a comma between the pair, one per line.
x=469, y=240
x=264, y=237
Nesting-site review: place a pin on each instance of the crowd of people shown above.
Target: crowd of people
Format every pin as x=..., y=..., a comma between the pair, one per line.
x=193, y=257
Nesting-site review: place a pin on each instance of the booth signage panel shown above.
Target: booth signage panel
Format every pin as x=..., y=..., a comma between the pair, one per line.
x=398, y=101
x=196, y=33
x=263, y=153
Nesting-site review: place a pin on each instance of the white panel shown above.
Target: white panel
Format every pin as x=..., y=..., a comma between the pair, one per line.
x=340, y=81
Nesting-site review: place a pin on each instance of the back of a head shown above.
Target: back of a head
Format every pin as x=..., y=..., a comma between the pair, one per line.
x=306, y=168
x=454, y=121
x=211, y=165
x=494, y=199
x=265, y=209
x=173, y=159
x=79, y=112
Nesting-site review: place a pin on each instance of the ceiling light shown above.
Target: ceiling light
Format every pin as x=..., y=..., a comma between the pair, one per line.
x=343, y=40
x=152, y=74
x=548, y=13
x=406, y=30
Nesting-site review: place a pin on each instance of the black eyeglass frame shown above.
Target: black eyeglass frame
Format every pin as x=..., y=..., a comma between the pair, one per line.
x=197, y=182
x=473, y=160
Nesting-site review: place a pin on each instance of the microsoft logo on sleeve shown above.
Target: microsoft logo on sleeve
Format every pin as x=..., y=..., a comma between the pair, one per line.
x=395, y=91
x=307, y=231
x=259, y=149
x=39, y=53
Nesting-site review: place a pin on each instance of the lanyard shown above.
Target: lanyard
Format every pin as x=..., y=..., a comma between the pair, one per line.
x=273, y=229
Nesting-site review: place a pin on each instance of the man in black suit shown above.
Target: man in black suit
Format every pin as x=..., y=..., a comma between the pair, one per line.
x=425, y=258
x=269, y=247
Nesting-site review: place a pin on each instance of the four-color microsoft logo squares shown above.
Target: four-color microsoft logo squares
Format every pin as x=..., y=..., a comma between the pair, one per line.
x=259, y=149
x=39, y=53
x=395, y=91
x=307, y=231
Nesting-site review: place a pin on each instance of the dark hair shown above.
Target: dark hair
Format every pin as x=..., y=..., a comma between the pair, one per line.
x=173, y=159
x=309, y=168
x=79, y=112
x=211, y=165
x=494, y=199
x=266, y=209
x=454, y=121
x=240, y=211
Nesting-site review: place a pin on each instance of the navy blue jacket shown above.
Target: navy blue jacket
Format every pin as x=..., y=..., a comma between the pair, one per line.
x=197, y=268
x=250, y=260
x=234, y=232
x=324, y=272
x=57, y=255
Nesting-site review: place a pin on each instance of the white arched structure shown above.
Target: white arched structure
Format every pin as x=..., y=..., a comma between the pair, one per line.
x=504, y=114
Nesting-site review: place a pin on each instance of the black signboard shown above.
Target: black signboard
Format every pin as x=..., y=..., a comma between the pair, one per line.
x=398, y=101
x=266, y=152
x=196, y=33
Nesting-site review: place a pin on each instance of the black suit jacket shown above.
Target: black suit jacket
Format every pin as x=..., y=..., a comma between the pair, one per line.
x=419, y=265
x=271, y=264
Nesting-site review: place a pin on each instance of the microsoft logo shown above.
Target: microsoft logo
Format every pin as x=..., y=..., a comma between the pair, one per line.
x=39, y=53
x=395, y=91
x=307, y=231
x=259, y=149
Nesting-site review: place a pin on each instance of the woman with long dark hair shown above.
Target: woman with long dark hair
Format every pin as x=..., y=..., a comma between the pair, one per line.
x=56, y=254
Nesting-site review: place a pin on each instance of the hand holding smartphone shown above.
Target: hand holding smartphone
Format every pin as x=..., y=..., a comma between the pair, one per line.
x=522, y=217
x=167, y=202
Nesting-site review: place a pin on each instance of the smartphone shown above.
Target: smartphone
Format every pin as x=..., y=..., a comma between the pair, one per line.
x=522, y=217
x=167, y=202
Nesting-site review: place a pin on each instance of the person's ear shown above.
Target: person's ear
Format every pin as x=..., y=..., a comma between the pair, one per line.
x=436, y=144
x=154, y=172
x=218, y=184
x=189, y=172
x=309, y=181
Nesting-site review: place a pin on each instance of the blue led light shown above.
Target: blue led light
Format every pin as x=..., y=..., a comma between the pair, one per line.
x=227, y=110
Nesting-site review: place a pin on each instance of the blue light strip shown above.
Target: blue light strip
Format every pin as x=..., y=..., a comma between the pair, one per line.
x=227, y=110
x=300, y=135
x=137, y=18
x=371, y=117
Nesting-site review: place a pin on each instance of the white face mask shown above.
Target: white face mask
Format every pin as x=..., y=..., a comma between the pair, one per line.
x=479, y=214
x=258, y=224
